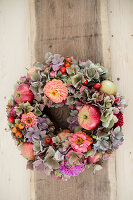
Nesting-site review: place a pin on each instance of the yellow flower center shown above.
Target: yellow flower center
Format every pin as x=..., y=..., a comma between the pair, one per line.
x=54, y=93
x=28, y=120
x=79, y=141
x=85, y=117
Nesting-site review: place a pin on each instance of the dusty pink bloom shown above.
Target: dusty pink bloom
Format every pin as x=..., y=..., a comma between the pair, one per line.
x=56, y=90
x=79, y=142
x=53, y=74
x=29, y=119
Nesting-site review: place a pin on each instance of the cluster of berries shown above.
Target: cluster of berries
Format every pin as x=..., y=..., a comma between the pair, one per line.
x=17, y=129
x=49, y=141
x=66, y=64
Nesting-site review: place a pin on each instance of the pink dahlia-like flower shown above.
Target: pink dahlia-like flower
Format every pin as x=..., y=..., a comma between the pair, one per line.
x=80, y=142
x=29, y=119
x=56, y=90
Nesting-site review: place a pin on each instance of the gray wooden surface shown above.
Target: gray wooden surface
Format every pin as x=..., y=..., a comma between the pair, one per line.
x=71, y=28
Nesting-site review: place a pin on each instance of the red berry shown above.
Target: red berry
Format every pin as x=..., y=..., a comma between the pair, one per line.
x=96, y=86
x=63, y=70
x=90, y=139
x=89, y=147
x=120, y=120
x=11, y=119
x=85, y=82
x=51, y=143
x=63, y=64
x=48, y=140
x=67, y=65
x=68, y=60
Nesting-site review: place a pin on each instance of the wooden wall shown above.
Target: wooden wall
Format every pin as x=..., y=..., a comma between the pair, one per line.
x=14, y=57
x=121, y=33
x=98, y=29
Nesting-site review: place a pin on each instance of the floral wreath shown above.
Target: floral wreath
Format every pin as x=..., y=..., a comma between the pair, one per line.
x=92, y=129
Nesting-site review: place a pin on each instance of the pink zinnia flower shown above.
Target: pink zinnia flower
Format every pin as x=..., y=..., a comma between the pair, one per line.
x=56, y=90
x=29, y=119
x=80, y=142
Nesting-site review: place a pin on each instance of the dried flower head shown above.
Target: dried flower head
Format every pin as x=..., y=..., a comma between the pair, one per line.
x=56, y=91
x=79, y=142
x=29, y=119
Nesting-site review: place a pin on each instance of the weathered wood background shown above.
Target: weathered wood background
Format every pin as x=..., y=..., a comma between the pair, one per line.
x=98, y=29
x=72, y=28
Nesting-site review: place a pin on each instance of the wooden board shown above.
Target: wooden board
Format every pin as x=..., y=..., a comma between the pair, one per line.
x=17, y=50
x=78, y=28
x=14, y=56
x=121, y=32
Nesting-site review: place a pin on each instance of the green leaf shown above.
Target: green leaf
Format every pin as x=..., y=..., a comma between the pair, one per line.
x=70, y=100
x=73, y=158
x=90, y=153
x=18, y=110
x=77, y=129
x=17, y=121
x=50, y=153
x=33, y=89
x=45, y=74
x=76, y=79
x=66, y=143
x=52, y=164
x=36, y=147
x=72, y=70
x=38, y=98
x=108, y=105
x=117, y=129
x=39, y=66
x=100, y=97
x=35, y=76
x=47, y=171
x=58, y=156
x=38, y=112
x=90, y=72
x=56, y=139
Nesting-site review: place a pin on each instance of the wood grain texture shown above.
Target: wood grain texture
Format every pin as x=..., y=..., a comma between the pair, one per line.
x=73, y=28
x=121, y=33
x=14, y=56
x=68, y=27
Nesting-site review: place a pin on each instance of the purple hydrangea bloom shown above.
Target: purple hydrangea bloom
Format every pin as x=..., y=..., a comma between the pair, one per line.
x=42, y=123
x=32, y=134
x=57, y=62
x=73, y=123
x=70, y=170
x=39, y=165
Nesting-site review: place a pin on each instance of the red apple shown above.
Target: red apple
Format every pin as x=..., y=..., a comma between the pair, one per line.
x=95, y=159
x=23, y=94
x=63, y=133
x=27, y=151
x=89, y=117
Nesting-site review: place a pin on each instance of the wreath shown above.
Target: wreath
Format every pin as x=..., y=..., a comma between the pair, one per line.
x=66, y=116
